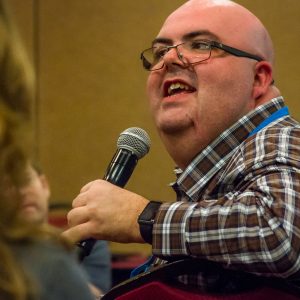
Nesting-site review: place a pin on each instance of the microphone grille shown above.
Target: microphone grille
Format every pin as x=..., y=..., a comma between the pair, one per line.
x=136, y=140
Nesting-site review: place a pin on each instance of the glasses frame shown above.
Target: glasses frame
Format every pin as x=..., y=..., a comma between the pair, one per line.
x=212, y=44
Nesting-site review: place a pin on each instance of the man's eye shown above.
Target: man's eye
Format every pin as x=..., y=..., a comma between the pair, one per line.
x=198, y=45
x=159, y=52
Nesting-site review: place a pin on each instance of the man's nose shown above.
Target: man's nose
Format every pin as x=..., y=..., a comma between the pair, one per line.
x=173, y=57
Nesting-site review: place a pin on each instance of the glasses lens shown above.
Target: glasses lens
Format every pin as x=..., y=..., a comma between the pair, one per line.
x=146, y=64
x=152, y=58
x=196, y=51
x=190, y=53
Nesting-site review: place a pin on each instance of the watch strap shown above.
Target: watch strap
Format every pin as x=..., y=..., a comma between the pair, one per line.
x=146, y=220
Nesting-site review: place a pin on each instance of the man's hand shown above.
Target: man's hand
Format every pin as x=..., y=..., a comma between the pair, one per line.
x=107, y=212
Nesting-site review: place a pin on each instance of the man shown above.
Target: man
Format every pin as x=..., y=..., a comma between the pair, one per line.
x=223, y=122
x=35, y=194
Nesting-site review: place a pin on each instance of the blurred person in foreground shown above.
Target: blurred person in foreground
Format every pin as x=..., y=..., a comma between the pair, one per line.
x=226, y=126
x=35, y=195
x=35, y=262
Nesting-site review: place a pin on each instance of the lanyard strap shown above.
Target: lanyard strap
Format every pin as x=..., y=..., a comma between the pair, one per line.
x=284, y=111
x=142, y=268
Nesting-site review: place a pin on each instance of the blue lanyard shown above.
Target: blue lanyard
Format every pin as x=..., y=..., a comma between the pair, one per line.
x=142, y=268
x=284, y=111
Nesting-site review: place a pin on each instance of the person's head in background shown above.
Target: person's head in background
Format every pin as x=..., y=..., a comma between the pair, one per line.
x=218, y=86
x=16, y=97
x=34, y=194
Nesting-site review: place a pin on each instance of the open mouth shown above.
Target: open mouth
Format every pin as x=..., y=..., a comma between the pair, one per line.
x=177, y=87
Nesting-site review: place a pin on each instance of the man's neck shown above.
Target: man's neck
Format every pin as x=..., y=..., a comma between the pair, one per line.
x=184, y=146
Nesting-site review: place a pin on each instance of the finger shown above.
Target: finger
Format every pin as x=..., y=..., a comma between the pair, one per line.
x=77, y=233
x=87, y=186
x=80, y=200
x=77, y=216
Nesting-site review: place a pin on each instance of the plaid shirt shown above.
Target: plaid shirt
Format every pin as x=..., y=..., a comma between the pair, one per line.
x=238, y=202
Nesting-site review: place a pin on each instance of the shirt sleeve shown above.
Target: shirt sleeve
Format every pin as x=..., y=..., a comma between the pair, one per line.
x=254, y=223
x=54, y=272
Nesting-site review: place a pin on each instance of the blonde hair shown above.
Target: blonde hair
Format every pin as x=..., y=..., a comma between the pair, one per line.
x=16, y=98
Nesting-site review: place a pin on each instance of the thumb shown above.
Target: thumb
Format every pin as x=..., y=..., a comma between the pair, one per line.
x=76, y=233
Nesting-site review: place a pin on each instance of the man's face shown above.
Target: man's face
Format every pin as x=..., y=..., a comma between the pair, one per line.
x=215, y=93
x=34, y=197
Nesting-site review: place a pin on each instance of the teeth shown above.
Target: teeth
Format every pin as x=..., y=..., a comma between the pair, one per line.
x=177, y=85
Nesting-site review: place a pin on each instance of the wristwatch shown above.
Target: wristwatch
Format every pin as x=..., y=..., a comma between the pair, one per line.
x=146, y=220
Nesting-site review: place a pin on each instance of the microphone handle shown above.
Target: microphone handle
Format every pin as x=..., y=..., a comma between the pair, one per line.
x=121, y=167
x=117, y=173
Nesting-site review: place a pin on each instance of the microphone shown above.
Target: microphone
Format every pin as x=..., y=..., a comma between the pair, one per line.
x=133, y=144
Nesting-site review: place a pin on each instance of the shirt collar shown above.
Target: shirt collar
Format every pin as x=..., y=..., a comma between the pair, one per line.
x=214, y=156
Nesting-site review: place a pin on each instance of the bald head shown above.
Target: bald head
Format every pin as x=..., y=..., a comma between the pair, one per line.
x=219, y=89
x=232, y=23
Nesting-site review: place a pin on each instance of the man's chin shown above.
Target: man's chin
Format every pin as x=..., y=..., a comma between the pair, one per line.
x=172, y=127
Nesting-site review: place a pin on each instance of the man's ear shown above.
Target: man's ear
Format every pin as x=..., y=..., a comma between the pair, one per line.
x=263, y=78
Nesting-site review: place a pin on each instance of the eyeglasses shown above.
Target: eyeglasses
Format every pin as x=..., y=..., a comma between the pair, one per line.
x=190, y=53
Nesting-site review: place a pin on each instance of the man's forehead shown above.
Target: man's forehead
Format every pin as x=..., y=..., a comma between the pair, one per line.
x=225, y=20
x=185, y=24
